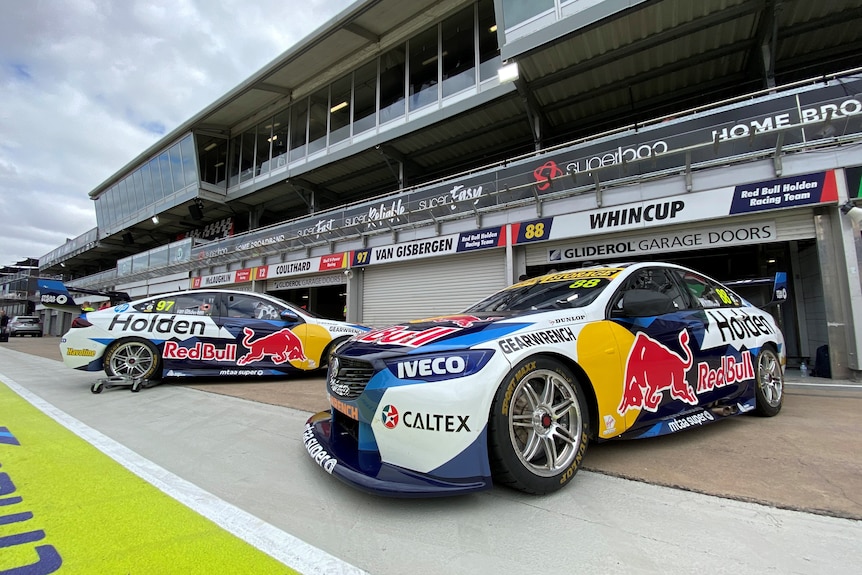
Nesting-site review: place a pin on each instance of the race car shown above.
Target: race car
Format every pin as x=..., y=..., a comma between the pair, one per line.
x=196, y=333
x=514, y=389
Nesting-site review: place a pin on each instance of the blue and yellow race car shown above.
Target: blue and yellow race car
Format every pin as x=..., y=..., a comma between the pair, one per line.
x=513, y=389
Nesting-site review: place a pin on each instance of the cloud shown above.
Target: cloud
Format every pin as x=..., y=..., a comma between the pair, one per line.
x=87, y=85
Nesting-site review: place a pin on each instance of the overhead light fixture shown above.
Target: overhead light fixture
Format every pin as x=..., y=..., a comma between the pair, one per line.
x=492, y=28
x=155, y=219
x=62, y=264
x=851, y=211
x=337, y=107
x=508, y=72
x=273, y=138
x=433, y=58
x=219, y=165
x=210, y=147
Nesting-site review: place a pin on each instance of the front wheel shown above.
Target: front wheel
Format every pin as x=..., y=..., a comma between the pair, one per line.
x=134, y=358
x=769, y=383
x=538, y=427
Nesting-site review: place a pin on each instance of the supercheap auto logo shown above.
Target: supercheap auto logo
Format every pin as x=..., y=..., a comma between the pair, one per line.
x=545, y=173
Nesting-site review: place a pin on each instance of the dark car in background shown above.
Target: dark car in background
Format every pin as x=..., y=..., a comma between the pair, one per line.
x=25, y=325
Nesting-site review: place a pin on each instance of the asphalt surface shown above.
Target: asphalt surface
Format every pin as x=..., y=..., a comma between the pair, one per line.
x=807, y=458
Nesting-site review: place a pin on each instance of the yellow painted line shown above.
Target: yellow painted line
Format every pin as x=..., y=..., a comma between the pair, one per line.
x=74, y=501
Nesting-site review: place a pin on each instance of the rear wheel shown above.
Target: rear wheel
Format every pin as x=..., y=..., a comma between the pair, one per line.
x=538, y=427
x=132, y=358
x=769, y=383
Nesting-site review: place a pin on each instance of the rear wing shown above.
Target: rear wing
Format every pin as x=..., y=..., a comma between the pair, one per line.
x=777, y=296
x=55, y=295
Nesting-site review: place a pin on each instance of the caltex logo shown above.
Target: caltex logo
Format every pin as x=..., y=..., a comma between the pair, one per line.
x=389, y=417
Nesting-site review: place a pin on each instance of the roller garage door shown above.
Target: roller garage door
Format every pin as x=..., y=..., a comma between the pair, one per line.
x=393, y=293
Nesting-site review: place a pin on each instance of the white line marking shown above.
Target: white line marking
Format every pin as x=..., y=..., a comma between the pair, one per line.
x=284, y=547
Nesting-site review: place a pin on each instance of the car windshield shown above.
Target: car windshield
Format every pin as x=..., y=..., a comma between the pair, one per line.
x=571, y=289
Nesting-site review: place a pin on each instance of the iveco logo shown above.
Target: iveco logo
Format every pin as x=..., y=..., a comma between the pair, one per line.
x=432, y=366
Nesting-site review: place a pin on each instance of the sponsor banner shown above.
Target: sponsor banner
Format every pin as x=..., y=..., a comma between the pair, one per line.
x=441, y=245
x=309, y=265
x=437, y=246
x=785, y=193
x=305, y=282
x=482, y=239
x=796, y=191
x=222, y=279
x=692, y=239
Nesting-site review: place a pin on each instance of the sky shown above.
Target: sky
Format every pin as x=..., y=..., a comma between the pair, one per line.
x=88, y=85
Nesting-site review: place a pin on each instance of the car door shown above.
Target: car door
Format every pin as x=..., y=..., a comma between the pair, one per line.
x=725, y=366
x=659, y=370
x=185, y=331
x=264, y=332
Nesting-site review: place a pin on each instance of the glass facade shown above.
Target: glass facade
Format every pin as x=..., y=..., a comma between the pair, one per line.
x=132, y=199
x=449, y=58
x=444, y=60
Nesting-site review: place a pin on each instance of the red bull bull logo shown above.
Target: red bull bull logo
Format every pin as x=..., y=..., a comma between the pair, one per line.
x=652, y=369
x=281, y=346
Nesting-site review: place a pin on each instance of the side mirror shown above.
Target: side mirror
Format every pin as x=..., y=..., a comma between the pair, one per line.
x=289, y=315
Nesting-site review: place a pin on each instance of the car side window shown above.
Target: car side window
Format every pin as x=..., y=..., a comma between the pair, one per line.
x=251, y=307
x=192, y=303
x=654, y=290
x=709, y=294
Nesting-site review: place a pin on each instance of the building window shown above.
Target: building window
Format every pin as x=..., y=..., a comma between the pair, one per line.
x=176, y=168
x=264, y=138
x=318, y=111
x=157, y=179
x=424, y=65
x=212, y=154
x=298, y=126
x=165, y=168
x=459, y=52
x=280, y=134
x=365, y=98
x=246, y=156
x=392, y=76
x=489, y=49
x=339, y=109
x=187, y=148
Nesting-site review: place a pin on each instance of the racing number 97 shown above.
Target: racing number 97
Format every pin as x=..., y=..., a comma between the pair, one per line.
x=164, y=305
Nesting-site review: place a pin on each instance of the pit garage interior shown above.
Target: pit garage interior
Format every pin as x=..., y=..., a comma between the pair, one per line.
x=591, y=76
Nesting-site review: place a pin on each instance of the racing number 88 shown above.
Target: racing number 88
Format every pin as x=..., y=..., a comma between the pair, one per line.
x=590, y=283
x=722, y=295
x=533, y=231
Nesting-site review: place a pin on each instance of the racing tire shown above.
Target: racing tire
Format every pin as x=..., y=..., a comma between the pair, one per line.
x=768, y=383
x=134, y=358
x=538, y=429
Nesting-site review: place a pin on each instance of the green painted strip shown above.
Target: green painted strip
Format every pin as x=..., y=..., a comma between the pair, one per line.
x=70, y=507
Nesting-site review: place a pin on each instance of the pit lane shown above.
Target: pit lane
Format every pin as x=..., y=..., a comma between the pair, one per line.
x=806, y=458
x=249, y=454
